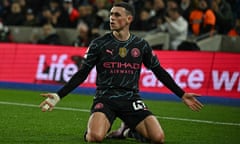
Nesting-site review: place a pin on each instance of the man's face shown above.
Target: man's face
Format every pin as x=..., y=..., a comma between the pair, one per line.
x=119, y=18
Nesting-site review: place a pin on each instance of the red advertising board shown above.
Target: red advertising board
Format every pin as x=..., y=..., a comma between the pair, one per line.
x=225, y=75
x=207, y=73
x=190, y=70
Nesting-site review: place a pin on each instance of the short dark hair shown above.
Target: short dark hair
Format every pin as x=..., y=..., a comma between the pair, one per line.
x=127, y=6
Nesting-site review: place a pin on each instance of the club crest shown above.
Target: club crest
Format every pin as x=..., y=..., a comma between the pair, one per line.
x=98, y=106
x=122, y=52
x=135, y=52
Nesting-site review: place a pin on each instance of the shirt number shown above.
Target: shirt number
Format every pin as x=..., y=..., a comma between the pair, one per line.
x=138, y=105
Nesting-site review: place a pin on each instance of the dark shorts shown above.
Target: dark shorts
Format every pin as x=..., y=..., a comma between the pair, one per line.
x=129, y=111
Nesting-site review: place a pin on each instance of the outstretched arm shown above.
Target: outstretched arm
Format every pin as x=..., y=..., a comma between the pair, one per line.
x=89, y=61
x=53, y=98
x=188, y=98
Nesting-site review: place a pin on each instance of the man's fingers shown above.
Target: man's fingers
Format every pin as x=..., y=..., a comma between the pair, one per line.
x=51, y=100
x=196, y=95
x=45, y=102
x=197, y=106
x=50, y=109
x=42, y=104
x=47, y=95
x=194, y=108
x=44, y=95
x=45, y=106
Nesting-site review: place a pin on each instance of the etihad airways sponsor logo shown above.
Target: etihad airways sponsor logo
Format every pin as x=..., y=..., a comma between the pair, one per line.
x=121, y=68
x=120, y=65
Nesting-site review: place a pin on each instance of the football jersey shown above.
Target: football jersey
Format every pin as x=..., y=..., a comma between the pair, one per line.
x=118, y=65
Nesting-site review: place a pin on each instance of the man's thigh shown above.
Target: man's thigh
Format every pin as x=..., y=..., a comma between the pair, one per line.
x=98, y=126
x=150, y=128
x=100, y=120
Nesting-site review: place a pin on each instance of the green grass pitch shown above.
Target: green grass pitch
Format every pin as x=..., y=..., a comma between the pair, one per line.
x=22, y=122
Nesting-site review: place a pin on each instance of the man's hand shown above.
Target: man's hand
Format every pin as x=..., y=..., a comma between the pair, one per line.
x=190, y=100
x=50, y=102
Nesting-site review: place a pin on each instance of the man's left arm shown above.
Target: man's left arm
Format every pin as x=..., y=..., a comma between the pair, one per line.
x=151, y=61
x=188, y=98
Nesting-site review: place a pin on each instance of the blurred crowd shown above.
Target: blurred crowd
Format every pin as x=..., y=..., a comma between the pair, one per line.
x=179, y=18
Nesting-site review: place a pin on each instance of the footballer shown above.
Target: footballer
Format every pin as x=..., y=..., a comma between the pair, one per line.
x=118, y=57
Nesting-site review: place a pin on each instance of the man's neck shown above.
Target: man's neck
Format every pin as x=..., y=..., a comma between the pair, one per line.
x=121, y=35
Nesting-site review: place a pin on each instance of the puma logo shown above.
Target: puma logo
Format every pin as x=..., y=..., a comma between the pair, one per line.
x=109, y=51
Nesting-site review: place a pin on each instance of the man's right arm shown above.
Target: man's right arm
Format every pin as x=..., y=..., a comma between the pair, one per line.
x=90, y=60
x=74, y=82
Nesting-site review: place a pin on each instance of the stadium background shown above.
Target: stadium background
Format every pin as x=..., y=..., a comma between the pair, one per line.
x=212, y=71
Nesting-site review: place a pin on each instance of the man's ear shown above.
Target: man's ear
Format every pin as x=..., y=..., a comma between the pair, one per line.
x=129, y=19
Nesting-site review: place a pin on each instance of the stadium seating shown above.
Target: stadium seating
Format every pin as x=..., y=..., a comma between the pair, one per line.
x=157, y=40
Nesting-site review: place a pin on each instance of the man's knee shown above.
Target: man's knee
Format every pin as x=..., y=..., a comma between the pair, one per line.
x=158, y=138
x=94, y=137
x=98, y=126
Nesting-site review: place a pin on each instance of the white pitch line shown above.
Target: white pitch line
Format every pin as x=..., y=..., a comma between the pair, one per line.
x=199, y=121
x=160, y=117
